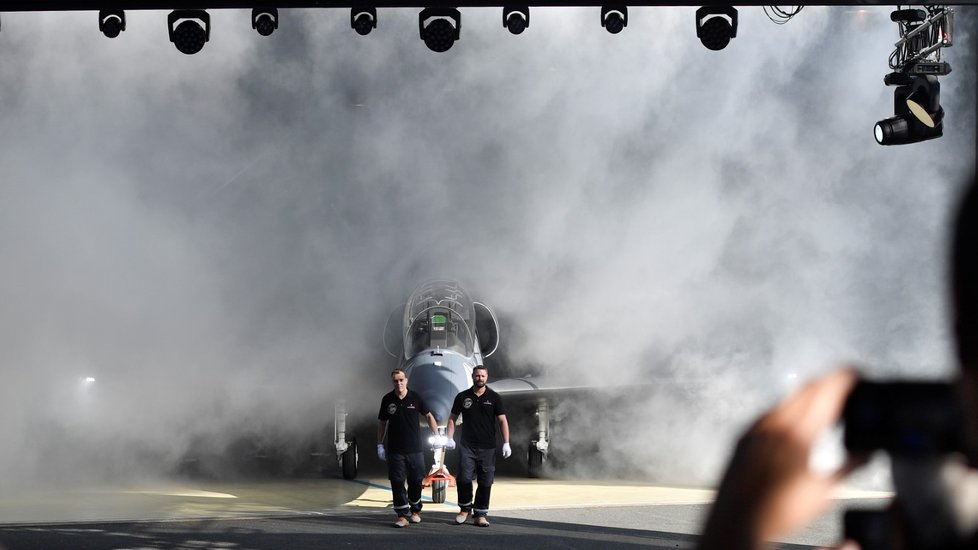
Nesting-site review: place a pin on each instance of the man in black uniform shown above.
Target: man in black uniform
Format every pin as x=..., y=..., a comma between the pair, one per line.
x=482, y=409
x=400, y=415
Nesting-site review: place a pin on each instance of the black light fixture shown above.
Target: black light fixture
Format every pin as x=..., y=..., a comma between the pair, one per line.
x=716, y=25
x=193, y=30
x=264, y=20
x=440, y=27
x=614, y=18
x=516, y=19
x=363, y=20
x=918, y=115
x=111, y=22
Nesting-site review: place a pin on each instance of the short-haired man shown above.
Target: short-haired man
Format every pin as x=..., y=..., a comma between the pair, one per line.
x=482, y=409
x=400, y=417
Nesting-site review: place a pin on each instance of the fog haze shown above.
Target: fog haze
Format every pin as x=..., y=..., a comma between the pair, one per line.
x=218, y=238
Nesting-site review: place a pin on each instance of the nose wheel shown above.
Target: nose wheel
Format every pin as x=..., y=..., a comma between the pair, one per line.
x=439, y=490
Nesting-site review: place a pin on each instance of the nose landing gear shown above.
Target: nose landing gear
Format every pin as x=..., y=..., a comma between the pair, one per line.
x=439, y=479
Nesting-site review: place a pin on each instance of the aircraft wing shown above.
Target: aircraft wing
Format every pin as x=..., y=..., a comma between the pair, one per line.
x=530, y=385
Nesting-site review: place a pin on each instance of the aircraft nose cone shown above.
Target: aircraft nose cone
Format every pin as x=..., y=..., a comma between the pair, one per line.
x=438, y=387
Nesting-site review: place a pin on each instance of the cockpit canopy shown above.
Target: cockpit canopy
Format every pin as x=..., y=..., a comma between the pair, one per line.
x=439, y=314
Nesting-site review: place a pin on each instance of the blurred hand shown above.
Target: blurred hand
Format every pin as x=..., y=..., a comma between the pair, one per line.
x=450, y=444
x=381, y=454
x=507, y=451
x=769, y=490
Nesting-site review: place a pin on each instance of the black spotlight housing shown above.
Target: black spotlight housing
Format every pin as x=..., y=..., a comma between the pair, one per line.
x=440, y=28
x=516, y=19
x=716, y=25
x=264, y=20
x=918, y=115
x=111, y=22
x=363, y=20
x=614, y=18
x=192, y=32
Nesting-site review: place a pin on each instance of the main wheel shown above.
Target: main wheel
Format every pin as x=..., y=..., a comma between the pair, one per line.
x=349, y=460
x=534, y=462
x=439, y=488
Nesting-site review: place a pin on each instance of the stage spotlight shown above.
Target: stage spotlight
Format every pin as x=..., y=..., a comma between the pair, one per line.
x=925, y=99
x=917, y=109
x=440, y=27
x=264, y=20
x=193, y=30
x=111, y=22
x=614, y=18
x=904, y=129
x=516, y=19
x=363, y=20
x=716, y=25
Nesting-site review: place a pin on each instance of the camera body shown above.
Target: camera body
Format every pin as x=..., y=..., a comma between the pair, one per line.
x=915, y=422
x=915, y=419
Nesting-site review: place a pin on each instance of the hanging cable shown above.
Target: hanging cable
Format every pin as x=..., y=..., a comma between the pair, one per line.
x=780, y=15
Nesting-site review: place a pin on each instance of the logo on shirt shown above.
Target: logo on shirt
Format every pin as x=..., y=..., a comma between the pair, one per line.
x=392, y=408
x=467, y=402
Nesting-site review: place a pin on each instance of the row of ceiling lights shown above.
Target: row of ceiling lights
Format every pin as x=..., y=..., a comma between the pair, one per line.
x=918, y=115
x=440, y=27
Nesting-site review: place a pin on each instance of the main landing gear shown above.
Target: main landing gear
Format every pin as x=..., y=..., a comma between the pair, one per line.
x=537, y=452
x=346, y=451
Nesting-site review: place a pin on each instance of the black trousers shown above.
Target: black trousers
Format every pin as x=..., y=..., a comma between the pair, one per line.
x=479, y=464
x=406, y=468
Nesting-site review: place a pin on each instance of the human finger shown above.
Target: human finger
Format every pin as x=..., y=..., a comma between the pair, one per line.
x=852, y=463
x=824, y=401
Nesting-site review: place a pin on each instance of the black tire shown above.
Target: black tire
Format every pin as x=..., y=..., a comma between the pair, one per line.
x=349, y=460
x=534, y=462
x=439, y=490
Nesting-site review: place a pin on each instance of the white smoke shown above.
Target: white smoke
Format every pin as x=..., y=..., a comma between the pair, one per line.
x=218, y=238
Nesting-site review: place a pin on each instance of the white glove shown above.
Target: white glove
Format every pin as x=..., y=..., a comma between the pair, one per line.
x=380, y=452
x=507, y=451
x=450, y=444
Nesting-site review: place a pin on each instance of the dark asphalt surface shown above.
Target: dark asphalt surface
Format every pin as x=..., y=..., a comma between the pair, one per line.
x=342, y=529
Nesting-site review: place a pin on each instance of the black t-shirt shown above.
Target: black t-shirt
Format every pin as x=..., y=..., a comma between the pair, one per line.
x=403, y=417
x=478, y=417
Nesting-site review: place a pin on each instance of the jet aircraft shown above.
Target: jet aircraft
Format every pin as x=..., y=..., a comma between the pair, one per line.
x=439, y=338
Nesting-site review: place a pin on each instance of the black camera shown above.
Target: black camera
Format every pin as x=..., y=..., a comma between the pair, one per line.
x=913, y=419
x=916, y=423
